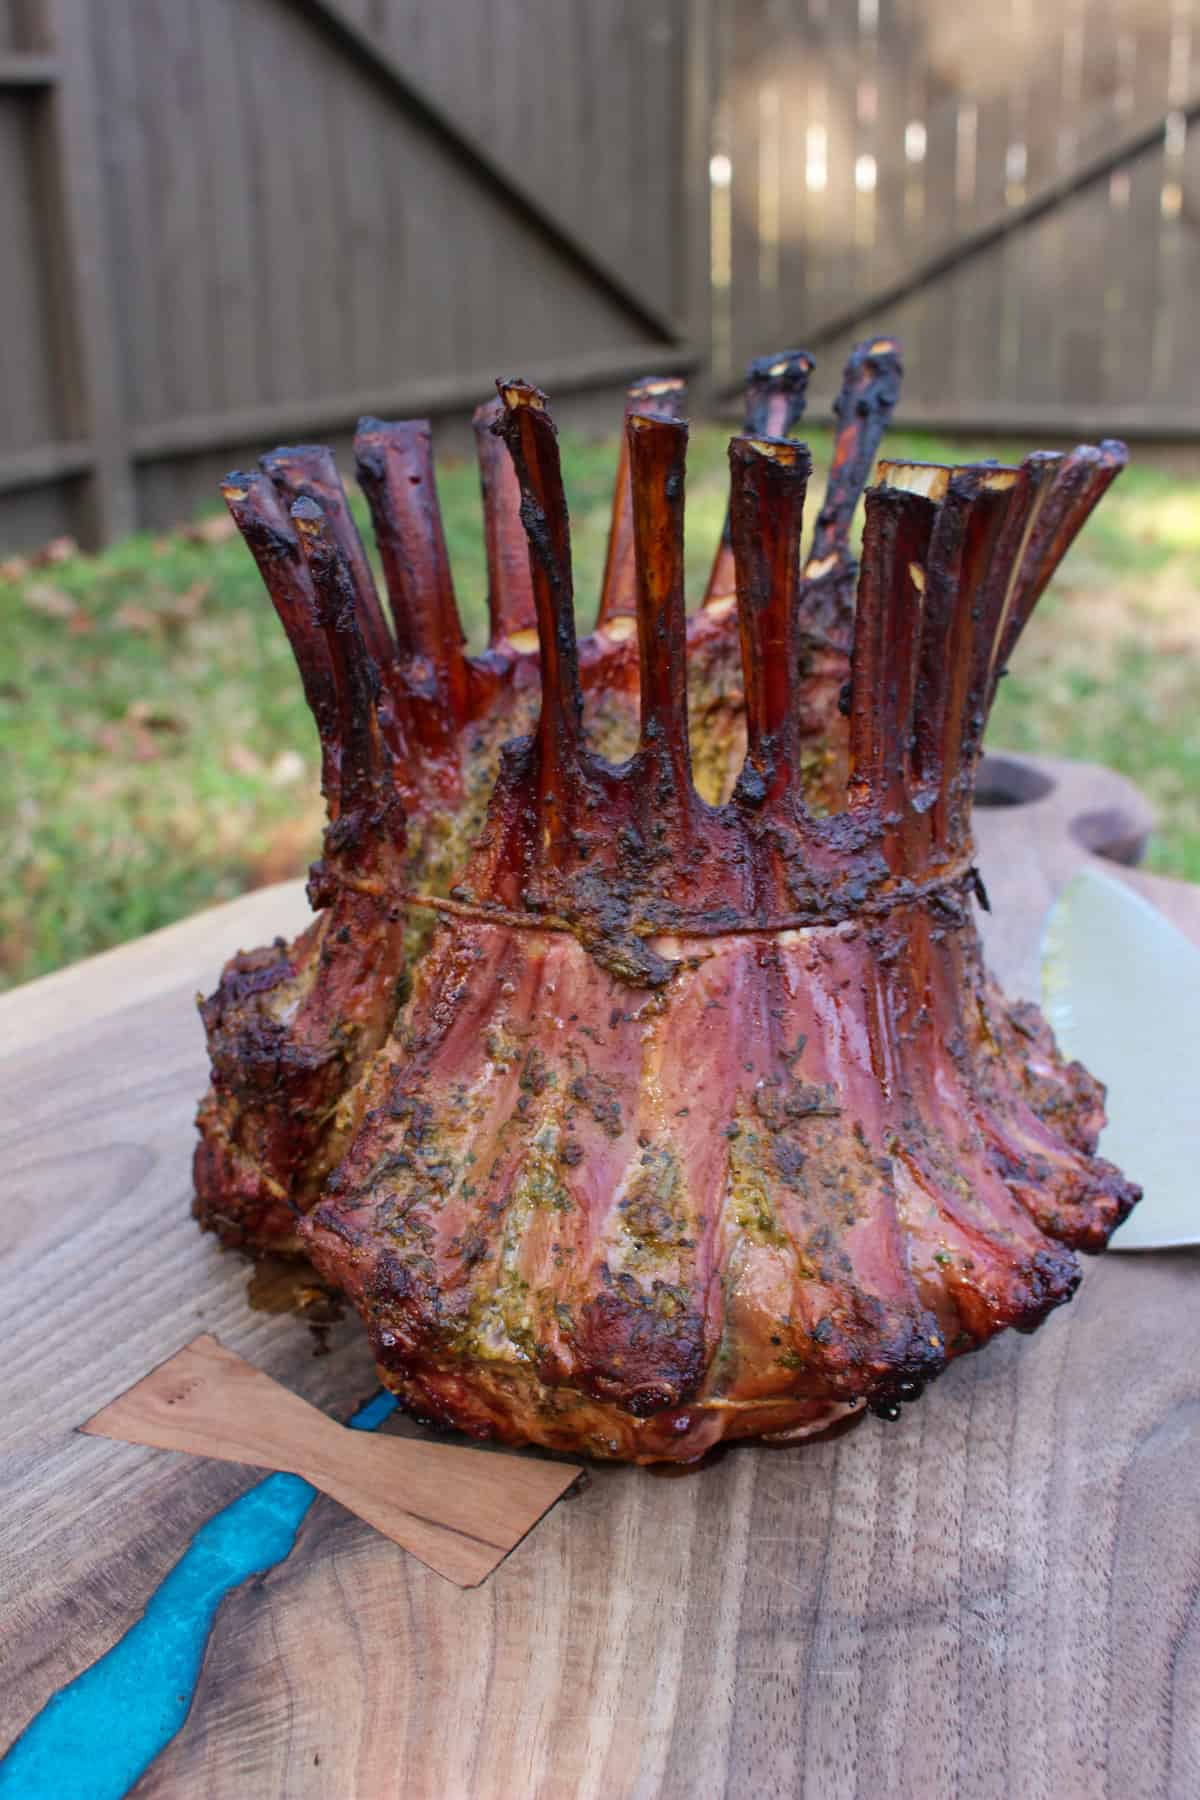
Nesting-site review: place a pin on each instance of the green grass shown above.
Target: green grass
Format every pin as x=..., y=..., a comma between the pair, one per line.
x=158, y=755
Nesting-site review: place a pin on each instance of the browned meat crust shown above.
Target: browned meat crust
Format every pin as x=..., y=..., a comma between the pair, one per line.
x=640, y=1081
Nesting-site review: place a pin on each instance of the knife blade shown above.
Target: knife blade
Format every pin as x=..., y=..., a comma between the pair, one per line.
x=1121, y=990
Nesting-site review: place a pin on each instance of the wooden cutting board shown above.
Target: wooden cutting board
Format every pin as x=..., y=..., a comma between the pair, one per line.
x=1000, y=1595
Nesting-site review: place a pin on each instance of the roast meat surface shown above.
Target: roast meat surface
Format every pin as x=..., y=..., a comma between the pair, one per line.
x=639, y=1079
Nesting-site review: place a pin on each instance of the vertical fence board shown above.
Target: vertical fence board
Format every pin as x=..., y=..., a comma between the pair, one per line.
x=894, y=100
x=229, y=208
x=14, y=26
x=818, y=245
x=1083, y=225
x=841, y=83
x=659, y=110
x=1185, y=271
x=79, y=315
x=743, y=114
x=232, y=212
x=979, y=350
x=793, y=302
x=694, y=245
x=1143, y=220
x=269, y=102
x=128, y=165
x=27, y=417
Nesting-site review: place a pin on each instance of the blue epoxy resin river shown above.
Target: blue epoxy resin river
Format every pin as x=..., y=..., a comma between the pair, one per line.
x=96, y=1736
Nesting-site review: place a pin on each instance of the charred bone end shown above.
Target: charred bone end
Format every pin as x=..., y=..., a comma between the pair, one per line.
x=774, y=399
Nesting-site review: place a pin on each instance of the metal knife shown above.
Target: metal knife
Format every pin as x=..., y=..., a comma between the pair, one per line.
x=1121, y=989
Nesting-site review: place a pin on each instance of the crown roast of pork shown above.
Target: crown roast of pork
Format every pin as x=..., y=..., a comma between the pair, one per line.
x=639, y=1079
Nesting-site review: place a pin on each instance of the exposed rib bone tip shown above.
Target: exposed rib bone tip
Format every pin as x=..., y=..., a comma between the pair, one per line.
x=928, y=479
x=284, y=456
x=656, y=387
x=1109, y=453
x=517, y=393
x=639, y=422
x=776, y=391
x=309, y=515
x=870, y=384
x=787, y=453
x=782, y=363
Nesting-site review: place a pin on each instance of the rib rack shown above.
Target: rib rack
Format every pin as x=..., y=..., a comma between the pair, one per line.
x=639, y=1079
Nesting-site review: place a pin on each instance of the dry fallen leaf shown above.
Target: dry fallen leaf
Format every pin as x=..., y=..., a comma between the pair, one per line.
x=209, y=531
x=153, y=718
x=52, y=602
x=127, y=741
x=190, y=604
x=289, y=847
x=243, y=761
x=137, y=618
x=58, y=550
x=288, y=766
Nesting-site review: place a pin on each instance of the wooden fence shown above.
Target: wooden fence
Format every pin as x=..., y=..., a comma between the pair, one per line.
x=230, y=222
x=224, y=223
x=1013, y=188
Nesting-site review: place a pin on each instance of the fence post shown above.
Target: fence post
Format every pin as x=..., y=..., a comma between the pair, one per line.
x=81, y=310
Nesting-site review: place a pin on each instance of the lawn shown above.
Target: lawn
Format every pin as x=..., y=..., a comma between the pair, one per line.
x=158, y=755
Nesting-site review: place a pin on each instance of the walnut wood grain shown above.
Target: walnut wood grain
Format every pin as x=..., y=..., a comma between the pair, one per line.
x=1000, y=1595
